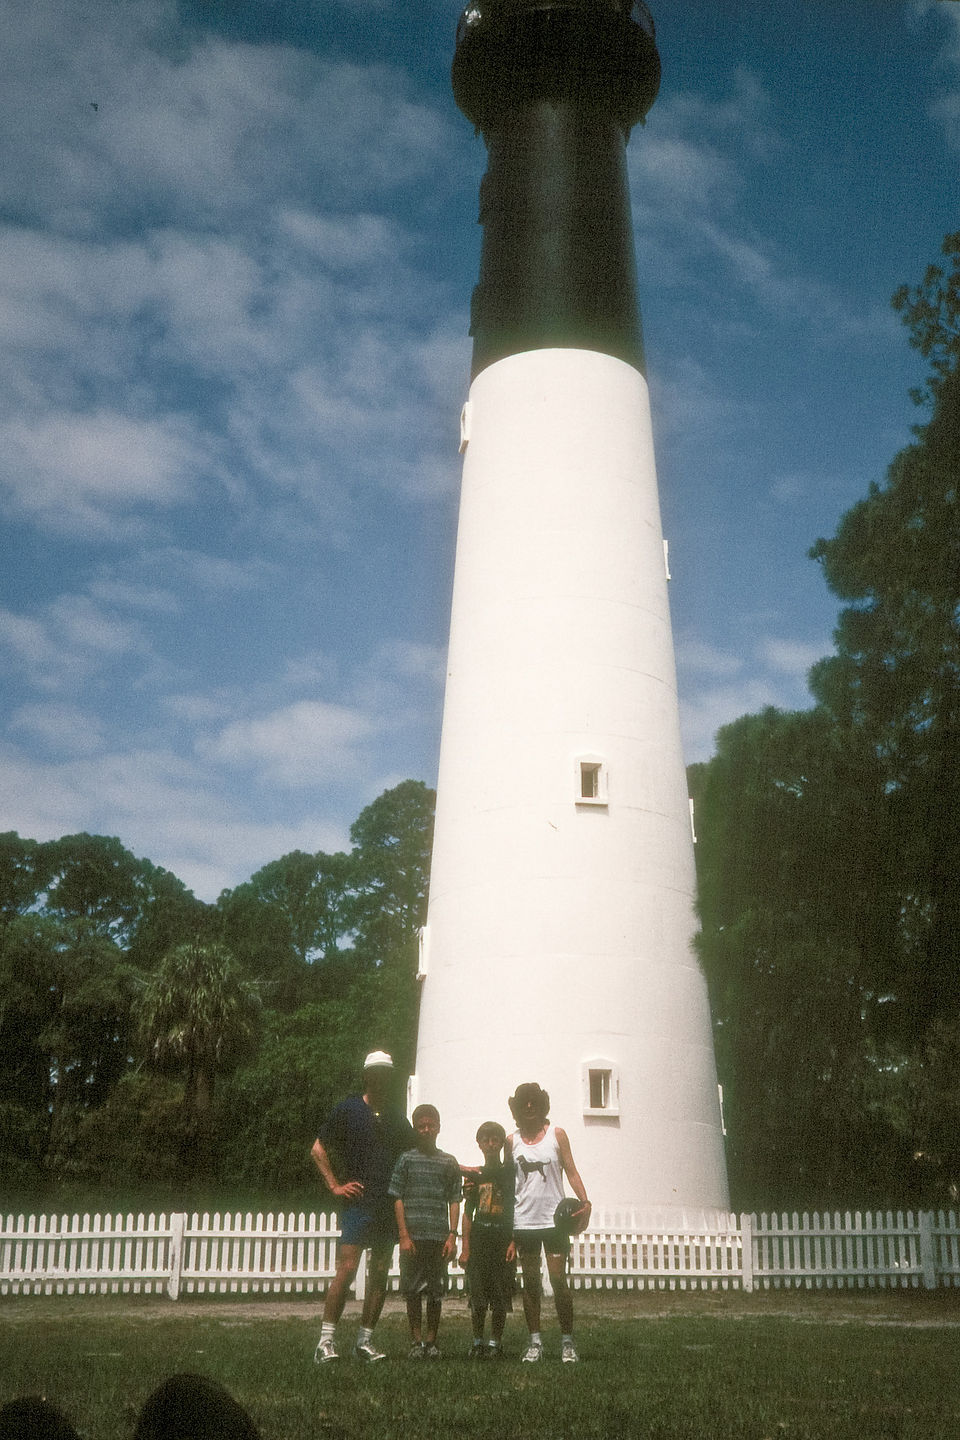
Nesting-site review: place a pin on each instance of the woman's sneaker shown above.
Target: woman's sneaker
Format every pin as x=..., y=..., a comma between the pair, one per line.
x=568, y=1353
x=532, y=1354
x=325, y=1352
x=366, y=1352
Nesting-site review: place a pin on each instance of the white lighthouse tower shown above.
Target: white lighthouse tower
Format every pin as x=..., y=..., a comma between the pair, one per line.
x=558, y=945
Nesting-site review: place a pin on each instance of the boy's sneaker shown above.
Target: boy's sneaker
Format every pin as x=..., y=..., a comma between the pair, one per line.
x=568, y=1353
x=431, y=1352
x=494, y=1350
x=366, y=1352
x=477, y=1352
x=532, y=1354
x=416, y=1351
x=325, y=1352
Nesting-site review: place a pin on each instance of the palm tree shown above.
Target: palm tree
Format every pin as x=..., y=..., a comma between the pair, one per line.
x=198, y=1015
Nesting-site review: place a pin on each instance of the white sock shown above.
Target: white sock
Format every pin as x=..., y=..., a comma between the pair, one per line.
x=535, y=1337
x=327, y=1331
x=364, y=1336
x=566, y=1339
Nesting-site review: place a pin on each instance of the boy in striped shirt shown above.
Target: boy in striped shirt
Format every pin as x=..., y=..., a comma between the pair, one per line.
x=426, y=1189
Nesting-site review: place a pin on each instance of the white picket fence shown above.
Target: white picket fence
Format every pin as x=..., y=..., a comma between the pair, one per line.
x=179, y=1255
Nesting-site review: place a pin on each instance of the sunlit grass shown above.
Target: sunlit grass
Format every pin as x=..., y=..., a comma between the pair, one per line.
x=731, y=1374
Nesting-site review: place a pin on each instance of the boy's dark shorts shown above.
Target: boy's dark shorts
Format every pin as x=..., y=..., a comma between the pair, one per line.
x=490, y=1279
x=424, y=1273
x=370, y=1224
x=555, y=1242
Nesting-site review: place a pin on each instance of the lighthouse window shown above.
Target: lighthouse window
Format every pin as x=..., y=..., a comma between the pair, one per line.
x=601, y=1088
x=591, y=780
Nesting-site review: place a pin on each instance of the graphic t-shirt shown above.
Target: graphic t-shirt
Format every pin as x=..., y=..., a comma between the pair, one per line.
x=539, y=1181
x=488, y=1197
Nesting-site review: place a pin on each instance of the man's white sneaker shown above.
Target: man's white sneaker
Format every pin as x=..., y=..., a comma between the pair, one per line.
x=532, y=1354
x=325, y=1352
x=568, y=1353
x=366, y=1352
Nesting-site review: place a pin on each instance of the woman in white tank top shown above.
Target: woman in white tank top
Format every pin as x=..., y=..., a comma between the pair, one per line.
x=539, y=1180
x=541, y=1156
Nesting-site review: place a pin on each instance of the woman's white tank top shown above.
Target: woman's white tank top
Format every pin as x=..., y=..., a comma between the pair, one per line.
x=539, y=1180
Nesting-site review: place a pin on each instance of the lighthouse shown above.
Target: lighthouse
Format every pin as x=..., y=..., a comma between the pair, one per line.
x=559, y=939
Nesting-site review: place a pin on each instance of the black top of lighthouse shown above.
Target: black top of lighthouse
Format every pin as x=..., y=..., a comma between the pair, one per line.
x=555, y=87
x=512, y=52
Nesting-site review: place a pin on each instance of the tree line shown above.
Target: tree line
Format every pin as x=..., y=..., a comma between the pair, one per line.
x=156, y=1046
x=829, y=850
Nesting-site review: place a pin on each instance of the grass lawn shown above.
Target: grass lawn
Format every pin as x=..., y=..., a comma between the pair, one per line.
x=770, y=1367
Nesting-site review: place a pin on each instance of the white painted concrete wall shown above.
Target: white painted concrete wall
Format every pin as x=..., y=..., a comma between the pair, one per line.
x=560, y=932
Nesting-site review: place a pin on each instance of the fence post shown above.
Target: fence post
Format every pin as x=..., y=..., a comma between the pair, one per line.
x=746, y=1252
x=178, y=1223
x=360, y=1283
x=928, y=1259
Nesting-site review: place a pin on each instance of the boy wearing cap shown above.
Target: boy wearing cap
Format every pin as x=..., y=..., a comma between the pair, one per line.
x=355, y=1152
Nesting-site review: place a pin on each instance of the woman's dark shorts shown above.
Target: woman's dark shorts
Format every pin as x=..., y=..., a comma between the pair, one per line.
x=555, y=1242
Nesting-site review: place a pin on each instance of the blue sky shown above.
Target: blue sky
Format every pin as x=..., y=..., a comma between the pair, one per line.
x=237, y=244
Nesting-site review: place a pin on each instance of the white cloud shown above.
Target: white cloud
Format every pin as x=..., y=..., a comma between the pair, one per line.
x=718, y=685
x=69, y=641
x=705, y=709
x=90, y=472
x=307, y=743
x=64, y=729
x=160, y=806
x=697, y=657
x=945, y=109
x=790, y=657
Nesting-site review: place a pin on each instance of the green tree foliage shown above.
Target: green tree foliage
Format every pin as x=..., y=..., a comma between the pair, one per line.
x=197, y=1016
x=392, y=841
x=73, y=914
x=931, y=312
x=830, y=848
x=178, y=1050
x=793, y=916
x=894, y=685
x=290, y=922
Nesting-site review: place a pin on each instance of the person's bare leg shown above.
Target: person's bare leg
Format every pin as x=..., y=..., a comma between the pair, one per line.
x=348, y=1259
x=433, y=1321
x=377, y=1272
x=498, y=1319
x=415, y=1317
x=562, y=1298
x=532, y=1288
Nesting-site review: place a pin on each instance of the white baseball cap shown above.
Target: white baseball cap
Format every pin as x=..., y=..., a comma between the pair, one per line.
x=378, y=1060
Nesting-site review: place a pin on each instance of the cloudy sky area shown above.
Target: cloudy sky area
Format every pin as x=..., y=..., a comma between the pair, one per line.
x=237, y=244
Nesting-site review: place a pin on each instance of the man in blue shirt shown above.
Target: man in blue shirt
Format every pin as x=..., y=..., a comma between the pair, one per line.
x=355, y=1152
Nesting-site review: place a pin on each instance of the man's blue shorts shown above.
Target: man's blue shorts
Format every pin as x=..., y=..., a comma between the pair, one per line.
x=369, y=1224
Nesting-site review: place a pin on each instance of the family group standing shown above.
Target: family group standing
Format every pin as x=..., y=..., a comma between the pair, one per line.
x=395, y=1186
